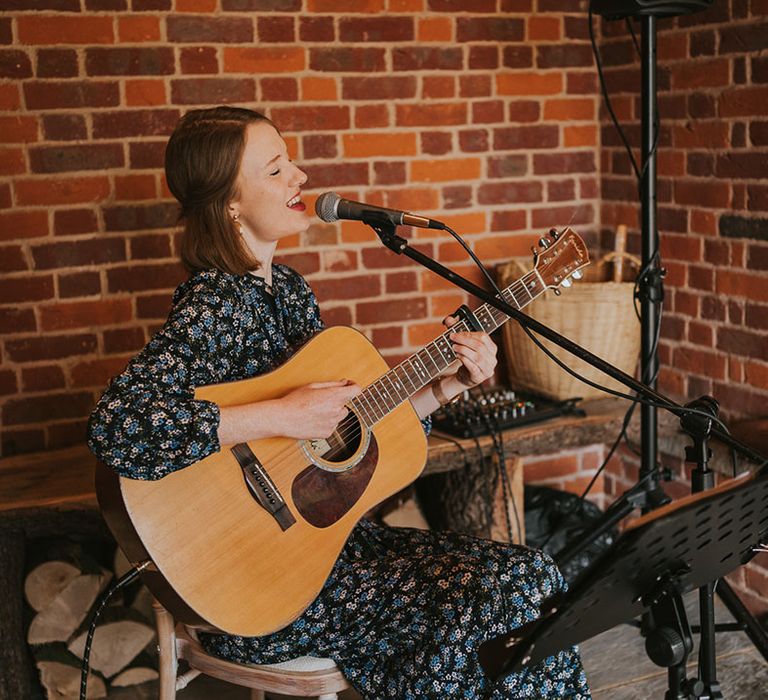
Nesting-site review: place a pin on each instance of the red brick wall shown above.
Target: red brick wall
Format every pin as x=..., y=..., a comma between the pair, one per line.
x=478, y=112
x=713, y=196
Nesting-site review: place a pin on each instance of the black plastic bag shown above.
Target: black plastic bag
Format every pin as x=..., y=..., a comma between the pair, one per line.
x=554, y=518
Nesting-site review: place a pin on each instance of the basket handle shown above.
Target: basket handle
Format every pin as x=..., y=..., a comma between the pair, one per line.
x=619, y=258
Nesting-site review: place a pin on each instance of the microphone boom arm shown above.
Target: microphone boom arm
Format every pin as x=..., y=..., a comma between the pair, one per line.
x=385, y=230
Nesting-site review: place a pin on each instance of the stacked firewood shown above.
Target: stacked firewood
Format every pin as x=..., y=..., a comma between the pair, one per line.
x=61, y=587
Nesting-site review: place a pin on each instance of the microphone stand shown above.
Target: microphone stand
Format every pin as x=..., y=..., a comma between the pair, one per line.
x=637, y=496
x=386, y=232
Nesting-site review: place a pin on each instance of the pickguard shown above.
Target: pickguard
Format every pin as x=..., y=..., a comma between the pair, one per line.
x=323, y=497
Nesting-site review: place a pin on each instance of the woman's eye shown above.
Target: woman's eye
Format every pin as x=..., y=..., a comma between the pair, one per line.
x=276, y=172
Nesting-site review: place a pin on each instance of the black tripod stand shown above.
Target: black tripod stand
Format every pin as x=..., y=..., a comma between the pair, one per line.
x=646, y=494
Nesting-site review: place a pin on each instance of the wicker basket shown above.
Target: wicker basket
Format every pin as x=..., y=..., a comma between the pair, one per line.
x=599, y=316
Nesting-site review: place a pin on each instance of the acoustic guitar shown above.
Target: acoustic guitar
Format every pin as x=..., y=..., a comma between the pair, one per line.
x=243, y=540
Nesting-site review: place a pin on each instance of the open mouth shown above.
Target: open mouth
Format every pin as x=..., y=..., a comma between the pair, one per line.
x=296, y=204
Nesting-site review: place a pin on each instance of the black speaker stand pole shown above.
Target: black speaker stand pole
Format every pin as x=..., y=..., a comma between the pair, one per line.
x=651, y=290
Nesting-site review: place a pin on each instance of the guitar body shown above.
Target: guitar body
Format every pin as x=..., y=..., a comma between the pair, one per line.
x=220, y=557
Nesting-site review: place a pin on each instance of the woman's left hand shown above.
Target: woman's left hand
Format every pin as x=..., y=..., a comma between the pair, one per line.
x=476, y=351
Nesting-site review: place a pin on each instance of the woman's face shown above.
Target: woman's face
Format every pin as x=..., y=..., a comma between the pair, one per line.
x=268, y=202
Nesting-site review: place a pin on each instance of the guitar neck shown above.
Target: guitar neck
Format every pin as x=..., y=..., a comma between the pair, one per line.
x=414, y=373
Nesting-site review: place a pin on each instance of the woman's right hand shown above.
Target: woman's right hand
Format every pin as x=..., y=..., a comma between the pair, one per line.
x=311, y=411
x=314, y=410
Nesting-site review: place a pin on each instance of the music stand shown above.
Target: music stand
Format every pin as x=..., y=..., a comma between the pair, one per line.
x=659, y=557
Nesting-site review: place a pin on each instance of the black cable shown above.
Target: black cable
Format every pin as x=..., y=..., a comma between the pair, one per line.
x=606, y=98
x=631, y=30
x=654, y=260
x=636, y=399
x=489, y=494
x=477, y=261
x=498, y=442
x=656, y=120
x=605, y=389
x=101, y=603
x=604, y=89
x=461, y=447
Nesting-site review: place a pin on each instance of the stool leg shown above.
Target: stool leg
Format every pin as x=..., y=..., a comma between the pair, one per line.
x=257, y=694
x=166, y=646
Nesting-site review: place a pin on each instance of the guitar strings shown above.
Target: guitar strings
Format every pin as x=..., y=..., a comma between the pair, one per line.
x=348, y=428
x=351, y=421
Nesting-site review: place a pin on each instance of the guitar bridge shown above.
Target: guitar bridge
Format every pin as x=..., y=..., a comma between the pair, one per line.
x=262, y=488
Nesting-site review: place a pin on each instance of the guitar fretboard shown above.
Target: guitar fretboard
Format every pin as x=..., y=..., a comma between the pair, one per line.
x=414, y=373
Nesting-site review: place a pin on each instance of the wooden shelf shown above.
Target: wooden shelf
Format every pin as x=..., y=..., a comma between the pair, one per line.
x=601, y=425
x=56, y=478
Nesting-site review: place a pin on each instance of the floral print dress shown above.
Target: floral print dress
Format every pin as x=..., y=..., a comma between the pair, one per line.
x=403, y=612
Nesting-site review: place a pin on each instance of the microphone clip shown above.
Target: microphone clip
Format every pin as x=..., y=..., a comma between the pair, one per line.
x=385, y=230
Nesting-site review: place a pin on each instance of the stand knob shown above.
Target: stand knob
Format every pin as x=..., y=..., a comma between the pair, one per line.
x=665, y=647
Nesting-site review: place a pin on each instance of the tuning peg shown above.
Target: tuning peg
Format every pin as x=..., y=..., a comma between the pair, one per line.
x=566, y=283
x=556, y=291
x=544, y=243
x=554, y=233
x=577, y=275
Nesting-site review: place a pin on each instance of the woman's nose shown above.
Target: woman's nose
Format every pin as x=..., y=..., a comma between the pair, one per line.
x=299, y=176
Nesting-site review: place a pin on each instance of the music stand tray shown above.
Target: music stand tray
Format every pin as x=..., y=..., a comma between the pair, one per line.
x=679, y=547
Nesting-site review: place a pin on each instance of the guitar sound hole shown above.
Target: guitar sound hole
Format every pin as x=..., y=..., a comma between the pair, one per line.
x=342, y=444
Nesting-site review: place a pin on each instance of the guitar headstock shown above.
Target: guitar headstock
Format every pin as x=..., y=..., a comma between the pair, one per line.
x=560, y=258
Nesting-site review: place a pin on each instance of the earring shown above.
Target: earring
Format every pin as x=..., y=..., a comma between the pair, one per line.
x=236, y=219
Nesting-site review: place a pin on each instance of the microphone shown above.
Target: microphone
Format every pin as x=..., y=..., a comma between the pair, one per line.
x=330, y=207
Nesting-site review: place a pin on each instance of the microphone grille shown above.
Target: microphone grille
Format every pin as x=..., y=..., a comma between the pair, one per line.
x=326, y=206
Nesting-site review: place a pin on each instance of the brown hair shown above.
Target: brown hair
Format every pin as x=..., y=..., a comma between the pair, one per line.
x=202, y=161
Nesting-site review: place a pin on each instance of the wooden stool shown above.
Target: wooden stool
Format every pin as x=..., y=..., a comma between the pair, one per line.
x=305, y=676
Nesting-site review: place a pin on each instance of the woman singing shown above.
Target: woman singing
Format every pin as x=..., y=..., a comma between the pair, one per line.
x=403, y=611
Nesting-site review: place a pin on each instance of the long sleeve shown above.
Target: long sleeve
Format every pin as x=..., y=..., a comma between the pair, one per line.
x=147, y=424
